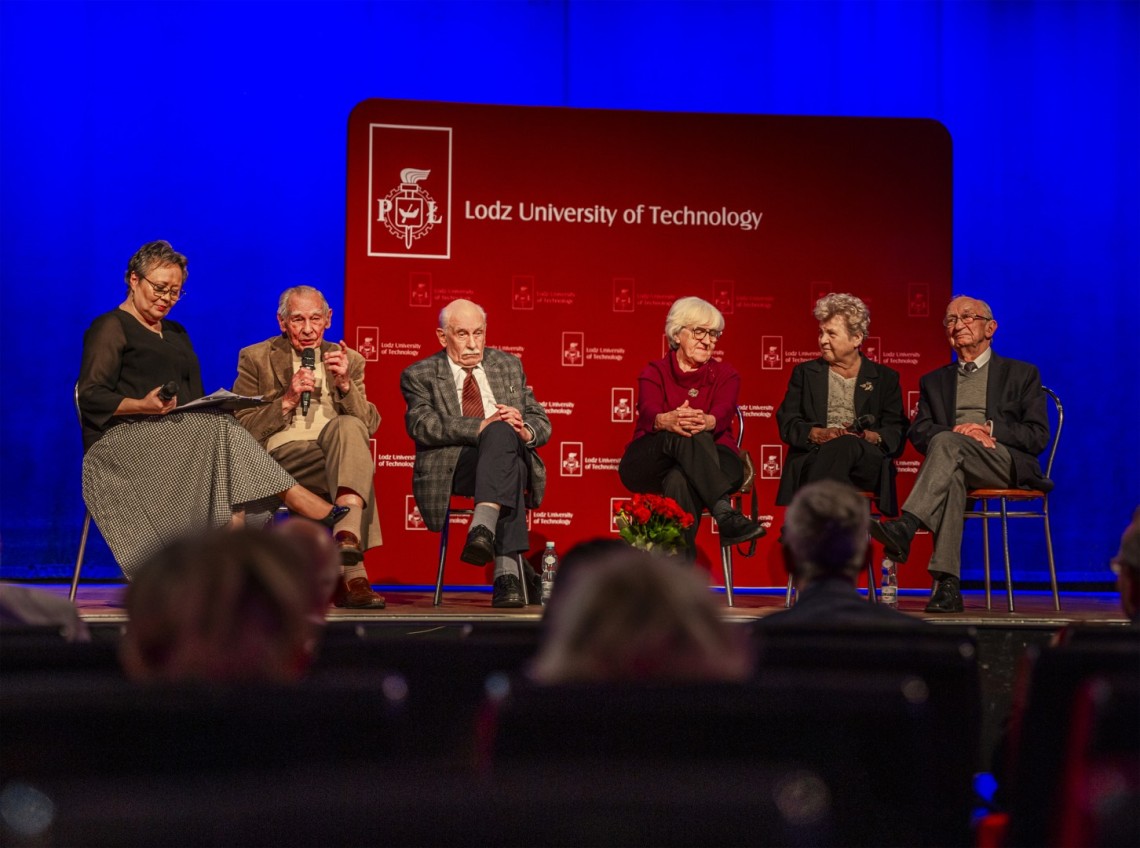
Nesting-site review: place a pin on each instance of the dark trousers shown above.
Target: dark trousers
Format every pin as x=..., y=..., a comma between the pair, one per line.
x=847, y=459
x=495, y=471
x=696, y=472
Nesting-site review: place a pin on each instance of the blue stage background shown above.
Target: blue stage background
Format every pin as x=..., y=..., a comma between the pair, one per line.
x=221, y=126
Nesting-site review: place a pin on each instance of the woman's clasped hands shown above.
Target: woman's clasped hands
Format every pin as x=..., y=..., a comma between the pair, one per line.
x=684, y=420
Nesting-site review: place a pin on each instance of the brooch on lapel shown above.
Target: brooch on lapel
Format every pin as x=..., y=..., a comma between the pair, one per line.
x=866, y=386
x=693, y=393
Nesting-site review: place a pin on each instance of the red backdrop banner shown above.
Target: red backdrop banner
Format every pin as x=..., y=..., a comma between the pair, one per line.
x=576, y=229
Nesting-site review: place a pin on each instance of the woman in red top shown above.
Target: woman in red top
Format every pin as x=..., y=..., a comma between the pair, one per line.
x=683, y=445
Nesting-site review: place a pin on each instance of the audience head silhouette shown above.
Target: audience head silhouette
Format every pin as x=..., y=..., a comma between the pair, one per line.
x=223, y=607
x=1126, y=564
x=319, y=562
x=825, y=532
x=632, y=616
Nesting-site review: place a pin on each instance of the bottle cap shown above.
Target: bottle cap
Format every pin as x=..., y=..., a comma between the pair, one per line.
x=550, y=544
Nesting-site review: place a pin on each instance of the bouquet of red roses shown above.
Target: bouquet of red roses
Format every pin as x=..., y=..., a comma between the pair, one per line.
x=652, y=523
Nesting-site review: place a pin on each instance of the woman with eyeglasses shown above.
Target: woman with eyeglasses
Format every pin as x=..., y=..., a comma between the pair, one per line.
x=683, y=445
x=152, y=474
x=842, y=415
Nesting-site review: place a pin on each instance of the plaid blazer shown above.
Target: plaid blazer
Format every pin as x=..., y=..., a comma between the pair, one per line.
x=435, y=422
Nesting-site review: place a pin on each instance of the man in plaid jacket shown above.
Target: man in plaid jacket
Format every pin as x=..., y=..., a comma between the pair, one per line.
x=477, y=426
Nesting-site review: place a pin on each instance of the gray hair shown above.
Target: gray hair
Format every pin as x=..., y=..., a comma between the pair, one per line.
x=987, y=313
x=154, y=254
x=629, y=615
x=445, y=313
x=856, y=315
x=283, y=301
x=826, y=529
x=689, y=312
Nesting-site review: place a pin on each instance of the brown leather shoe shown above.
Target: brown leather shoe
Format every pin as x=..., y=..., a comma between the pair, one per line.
x=349, y=547
x=357, y=594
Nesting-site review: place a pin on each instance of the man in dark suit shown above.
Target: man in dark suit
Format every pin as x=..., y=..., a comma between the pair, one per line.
x=842, y=415
x=982, y=421
x=825, y=542
x=477, y=425
x=325, y=446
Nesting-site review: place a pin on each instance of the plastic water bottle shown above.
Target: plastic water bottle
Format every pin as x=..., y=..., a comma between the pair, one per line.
x=549, y=569
x=890, y=586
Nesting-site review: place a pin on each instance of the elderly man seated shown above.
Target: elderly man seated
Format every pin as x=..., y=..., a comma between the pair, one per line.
x=318, y=424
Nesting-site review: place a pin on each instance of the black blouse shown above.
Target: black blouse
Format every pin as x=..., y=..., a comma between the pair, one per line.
x=123, y=359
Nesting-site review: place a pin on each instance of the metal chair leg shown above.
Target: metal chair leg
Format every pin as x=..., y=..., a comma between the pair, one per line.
x=522, y=578
x=986, y=550
x=79, y=558
x=1049, y=552
x=442, y=558
x=726, y=566
x=1005, y=552
x=788, y=593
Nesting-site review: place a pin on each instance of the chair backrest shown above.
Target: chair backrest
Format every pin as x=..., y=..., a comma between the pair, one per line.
x=1056, y=432
x=1043, y=728
x=867, y=736
x=74, y=725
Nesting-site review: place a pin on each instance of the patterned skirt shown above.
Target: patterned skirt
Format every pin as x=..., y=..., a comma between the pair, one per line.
x=150, y=482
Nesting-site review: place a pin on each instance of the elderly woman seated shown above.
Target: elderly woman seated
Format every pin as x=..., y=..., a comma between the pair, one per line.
x=842, y=415
x=682, y=442
x=153, y=472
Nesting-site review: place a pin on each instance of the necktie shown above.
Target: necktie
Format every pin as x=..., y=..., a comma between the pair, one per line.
x=969, y=367
x=472, y=398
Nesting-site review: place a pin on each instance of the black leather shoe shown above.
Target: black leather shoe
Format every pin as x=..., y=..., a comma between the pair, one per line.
x=335, y=515
x=507, y=592
x=480, y=546
x=947, y=596
x=737, y=528
x=894, y=536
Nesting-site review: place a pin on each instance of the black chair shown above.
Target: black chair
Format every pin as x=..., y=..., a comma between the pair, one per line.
x=1042, y=729
x=865, y=738
x=74, y=726
x=447, y=672
x=1100, y=791
x=945, y=657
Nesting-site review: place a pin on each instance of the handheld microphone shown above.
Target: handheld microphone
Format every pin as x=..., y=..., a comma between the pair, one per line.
x=308, y=360
x=861, y=423
x=166, y=392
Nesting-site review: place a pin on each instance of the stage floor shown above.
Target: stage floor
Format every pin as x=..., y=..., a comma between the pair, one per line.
x=103, y=603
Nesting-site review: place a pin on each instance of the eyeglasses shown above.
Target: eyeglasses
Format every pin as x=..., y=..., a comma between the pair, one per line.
x=699, y=333
x=968, y=318
x=166, y=291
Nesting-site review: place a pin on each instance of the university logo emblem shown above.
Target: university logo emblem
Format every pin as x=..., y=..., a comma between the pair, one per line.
x=408, y=211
